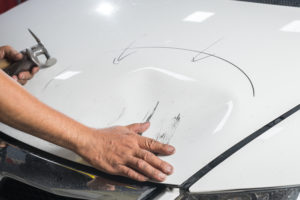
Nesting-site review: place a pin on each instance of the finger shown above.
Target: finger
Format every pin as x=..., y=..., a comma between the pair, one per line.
x=35, y=70
x=15, y=77
x=17, y=56
x=127, y=172
x=22, y=82
x=155, y=146
x=146, y=169
x=25, y=75
x=155, y=161
x=139, y=127
x=10, y=53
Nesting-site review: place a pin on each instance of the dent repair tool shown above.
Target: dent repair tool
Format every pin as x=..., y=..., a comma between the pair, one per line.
x=31, y=57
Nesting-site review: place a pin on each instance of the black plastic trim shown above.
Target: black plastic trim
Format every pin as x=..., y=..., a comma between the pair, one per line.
x=155, y=193
x=202, y=172
x=74, y=165
x=294, y=3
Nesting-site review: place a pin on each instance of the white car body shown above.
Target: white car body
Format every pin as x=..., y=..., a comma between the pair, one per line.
x=217, y=71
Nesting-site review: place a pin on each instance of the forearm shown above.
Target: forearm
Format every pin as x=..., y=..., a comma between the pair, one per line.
x=118, y=150
x=22, y=111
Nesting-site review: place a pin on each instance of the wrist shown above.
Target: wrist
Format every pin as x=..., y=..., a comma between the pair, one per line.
x=81, y=139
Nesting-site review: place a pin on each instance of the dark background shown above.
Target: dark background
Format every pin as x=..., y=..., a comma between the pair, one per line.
x=295, y=3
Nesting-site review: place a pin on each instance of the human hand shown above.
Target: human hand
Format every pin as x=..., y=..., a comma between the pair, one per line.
x=122, y=151
x=13, y=55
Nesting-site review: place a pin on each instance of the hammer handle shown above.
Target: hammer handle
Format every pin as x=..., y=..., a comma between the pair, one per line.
x=25, y=64
x=4, y=63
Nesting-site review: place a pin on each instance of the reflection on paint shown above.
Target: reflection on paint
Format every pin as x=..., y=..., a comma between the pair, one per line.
x=270, y=133
x=66, y=75
x=293, y=26
x=225, y=118
x=106, y=8
x=198, y=16
x=167, y=72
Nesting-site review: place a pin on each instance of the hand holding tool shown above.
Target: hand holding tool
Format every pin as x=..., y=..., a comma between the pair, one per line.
x=31, y=58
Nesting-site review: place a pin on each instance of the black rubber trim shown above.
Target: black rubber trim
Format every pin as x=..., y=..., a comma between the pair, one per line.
x=294, y=3
x=155, y=193
x=202, y=172
x=74, y=165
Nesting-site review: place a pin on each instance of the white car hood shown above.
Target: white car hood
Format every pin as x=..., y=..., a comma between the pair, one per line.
x=216, y=71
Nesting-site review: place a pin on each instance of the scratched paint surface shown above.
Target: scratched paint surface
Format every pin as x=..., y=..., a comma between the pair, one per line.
x=203, y=85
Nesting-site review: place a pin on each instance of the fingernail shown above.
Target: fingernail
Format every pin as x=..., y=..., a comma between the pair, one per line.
x=146, y=179
x=162, y=176
x=146, y=123
x=171, y=149
x=169, y=169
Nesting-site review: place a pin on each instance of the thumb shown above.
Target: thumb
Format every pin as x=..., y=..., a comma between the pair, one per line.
x=139, y=127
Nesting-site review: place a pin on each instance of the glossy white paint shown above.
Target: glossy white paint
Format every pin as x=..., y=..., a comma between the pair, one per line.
x=293, y=26
x=270, y=160
x=133, y=54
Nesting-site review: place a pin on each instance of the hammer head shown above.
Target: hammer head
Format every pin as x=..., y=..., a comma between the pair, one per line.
x=36, y=52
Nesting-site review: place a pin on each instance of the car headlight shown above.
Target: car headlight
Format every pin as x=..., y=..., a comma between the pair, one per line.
x=280, y=193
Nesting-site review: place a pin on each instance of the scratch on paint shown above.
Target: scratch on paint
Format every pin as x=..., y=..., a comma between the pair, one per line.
x=145, y=117
x=196, y=58
x=123, y=54
x=151, y=115
x=52, y=79
x=167, y=133
x=119, y=116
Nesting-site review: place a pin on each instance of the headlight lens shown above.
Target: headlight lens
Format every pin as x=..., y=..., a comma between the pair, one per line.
x=282, y=193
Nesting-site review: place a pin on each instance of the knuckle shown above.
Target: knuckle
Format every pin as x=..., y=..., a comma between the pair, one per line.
x=118, y=169
x=162, y=164
x=131, y=133
x=151, y=143
x=116, y=166
x=140, y=164
x=125, y=171
x=131, y=174
x=154, y=174
x=148, y=156
x=7, y=47
x=141, y=178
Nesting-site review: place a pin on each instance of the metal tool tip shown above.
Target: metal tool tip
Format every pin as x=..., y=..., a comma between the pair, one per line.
x=34, y=36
